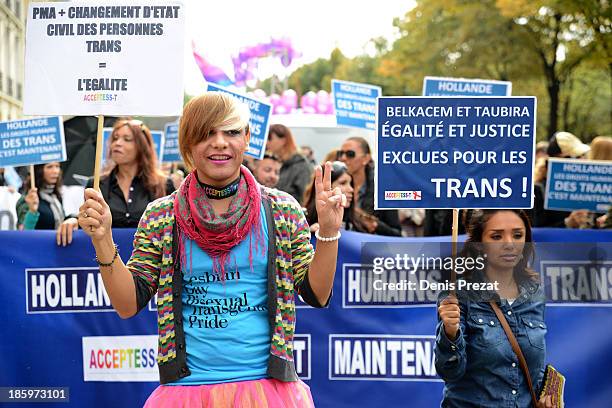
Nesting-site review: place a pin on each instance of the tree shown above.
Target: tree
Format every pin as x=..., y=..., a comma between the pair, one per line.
x=559, y=38
x=496, y=39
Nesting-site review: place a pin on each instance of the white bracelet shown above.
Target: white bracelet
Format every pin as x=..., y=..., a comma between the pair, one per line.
x=327, y=239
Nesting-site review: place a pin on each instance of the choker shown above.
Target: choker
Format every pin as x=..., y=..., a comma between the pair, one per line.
x=216, y=193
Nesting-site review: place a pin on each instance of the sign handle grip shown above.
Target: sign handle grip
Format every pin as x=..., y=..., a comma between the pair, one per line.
x=454, y=238
x=32, y=179
x=99, y=147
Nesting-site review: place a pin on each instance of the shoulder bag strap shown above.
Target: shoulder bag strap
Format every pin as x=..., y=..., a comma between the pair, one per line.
x=516, y=348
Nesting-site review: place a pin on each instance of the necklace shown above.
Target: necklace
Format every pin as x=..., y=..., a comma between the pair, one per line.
x=216, y=193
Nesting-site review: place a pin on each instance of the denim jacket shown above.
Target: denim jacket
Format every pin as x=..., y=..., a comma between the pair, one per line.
x=479, y=367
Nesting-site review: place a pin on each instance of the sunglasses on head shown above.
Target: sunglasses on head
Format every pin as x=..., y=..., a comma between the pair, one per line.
x=338, y=166
x=350, y=154
x=139, y=123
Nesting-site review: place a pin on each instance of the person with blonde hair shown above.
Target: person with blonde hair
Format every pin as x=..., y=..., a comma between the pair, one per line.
x=227, y=258
x=296, y=171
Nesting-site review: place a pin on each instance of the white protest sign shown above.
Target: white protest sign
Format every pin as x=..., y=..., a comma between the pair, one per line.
x=104, y=58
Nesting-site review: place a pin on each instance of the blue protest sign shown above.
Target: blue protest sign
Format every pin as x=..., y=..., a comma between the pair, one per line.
x=438, y=86
x=450, y=152
x=158, y=143
x=172, y=152
x=32, y=141
x=259, y=123
x=578, y=184
x=355, y=104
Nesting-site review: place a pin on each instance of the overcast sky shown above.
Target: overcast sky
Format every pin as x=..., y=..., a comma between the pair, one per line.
x=220, y=28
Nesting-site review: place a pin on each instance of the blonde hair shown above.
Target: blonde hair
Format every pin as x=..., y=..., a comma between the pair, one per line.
x=601, y=148
x=212, y=110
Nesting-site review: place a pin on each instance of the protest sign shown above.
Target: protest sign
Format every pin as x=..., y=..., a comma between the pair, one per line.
x=355, y=104
x=158, y=143
x=104, y=58
x=32, y=141
x=450, y=152
x=439, y=86
x=259, y=123
x=172, y=152
x=578, y=184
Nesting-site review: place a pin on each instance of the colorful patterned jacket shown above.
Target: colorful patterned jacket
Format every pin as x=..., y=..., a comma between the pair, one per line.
x=154, y=261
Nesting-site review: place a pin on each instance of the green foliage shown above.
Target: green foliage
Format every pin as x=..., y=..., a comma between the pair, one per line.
x=557, y=50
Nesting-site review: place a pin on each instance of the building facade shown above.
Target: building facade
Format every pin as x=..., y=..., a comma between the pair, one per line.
x=12, y=49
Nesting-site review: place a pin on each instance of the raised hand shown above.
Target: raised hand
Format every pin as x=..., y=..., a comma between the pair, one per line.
x=32, y=200
x=95, y=216
x=329, y=203
x=450, y=313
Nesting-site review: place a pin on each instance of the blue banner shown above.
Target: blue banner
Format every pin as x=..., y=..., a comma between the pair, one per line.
x=32, y=141
x=60, y=331
x=158, y=143
x=259, y=123
x=355, y=104
x=438, y=86
x=449, y=152
x=172, y=153
x=578, y=184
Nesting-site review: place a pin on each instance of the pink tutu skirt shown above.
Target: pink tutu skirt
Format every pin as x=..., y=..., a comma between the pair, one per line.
x=265, y=393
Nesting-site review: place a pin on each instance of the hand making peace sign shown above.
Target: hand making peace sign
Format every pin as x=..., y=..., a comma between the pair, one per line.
x=330, y=203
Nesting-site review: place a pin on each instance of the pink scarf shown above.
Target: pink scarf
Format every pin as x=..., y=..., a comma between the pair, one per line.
x=217, y=234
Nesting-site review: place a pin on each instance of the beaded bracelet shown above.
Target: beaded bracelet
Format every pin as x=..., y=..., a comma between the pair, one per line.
x=112, y=260
x=327, y=239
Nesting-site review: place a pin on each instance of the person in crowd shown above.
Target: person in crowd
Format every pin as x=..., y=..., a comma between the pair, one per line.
x=440, y=222
x=296, y=171
x=309, y=154
x=10, y=178
x=131, y=178
x=472, y=352
x=411, y=221
x=340, y=178
x=541, y=150
x=601, y=149
x=331, y=156
x=222, y=237
x=267, y=170
x=176, y=173
x=355, y=153
x=561, y=145
x=2, y=181
x=41, y=207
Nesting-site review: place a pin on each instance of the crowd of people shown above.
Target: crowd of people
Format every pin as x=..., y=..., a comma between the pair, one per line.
x=230, y=214
x=132, y=178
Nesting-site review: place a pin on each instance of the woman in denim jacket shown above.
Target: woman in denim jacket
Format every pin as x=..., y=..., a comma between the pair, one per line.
x=472, y=353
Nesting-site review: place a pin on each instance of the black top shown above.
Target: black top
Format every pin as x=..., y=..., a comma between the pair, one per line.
x=127, y=214
x=388, y=220
x=543, y=217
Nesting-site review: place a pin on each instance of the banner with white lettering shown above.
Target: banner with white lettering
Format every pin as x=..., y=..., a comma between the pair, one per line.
x=446, y=152
x=355, y=104
x=172, y=152
x=578, y=184
x=440, y=86
x=373, y=346
x=32, y=141
x=107, y=58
